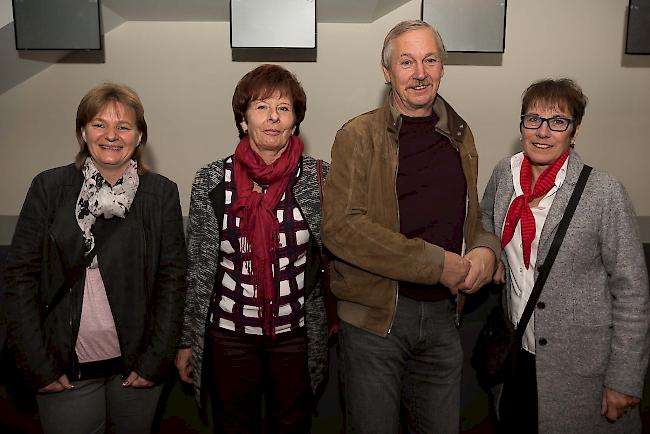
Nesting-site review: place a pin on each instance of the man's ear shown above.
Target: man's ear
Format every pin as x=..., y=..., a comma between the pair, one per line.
x=386, y=74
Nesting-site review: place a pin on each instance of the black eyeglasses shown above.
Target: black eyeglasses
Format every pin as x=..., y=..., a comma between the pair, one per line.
x=532, y=122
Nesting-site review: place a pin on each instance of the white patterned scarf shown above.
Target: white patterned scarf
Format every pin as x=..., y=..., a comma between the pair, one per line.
x=97, y=198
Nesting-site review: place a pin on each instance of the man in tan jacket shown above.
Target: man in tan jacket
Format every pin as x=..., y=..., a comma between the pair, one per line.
x=403, y=220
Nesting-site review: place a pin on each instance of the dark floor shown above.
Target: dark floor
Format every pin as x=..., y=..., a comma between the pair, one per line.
x=179, y=414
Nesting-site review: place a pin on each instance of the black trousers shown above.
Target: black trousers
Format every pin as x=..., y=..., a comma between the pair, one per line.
x=518, y=406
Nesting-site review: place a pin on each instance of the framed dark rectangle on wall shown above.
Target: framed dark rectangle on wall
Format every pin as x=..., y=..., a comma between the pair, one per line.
x=57, y=24
x=471, y=26
x=638, y=27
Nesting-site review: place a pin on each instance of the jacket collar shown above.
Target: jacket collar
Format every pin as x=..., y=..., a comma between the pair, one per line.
x=506, y=189
x=450, y=124
x=560, y=202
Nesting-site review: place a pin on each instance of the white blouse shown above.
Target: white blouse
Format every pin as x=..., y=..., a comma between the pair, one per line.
x=523, y=279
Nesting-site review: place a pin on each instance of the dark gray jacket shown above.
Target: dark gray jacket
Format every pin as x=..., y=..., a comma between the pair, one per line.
x=142, y=262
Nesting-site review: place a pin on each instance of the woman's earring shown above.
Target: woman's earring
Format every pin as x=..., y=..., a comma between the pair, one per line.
x=521, y=138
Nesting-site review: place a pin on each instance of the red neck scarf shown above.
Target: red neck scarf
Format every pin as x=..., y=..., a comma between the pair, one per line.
x=519, y=208
x=258, y=222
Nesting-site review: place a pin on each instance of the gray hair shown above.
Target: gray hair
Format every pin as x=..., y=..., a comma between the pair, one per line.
x=407, y=26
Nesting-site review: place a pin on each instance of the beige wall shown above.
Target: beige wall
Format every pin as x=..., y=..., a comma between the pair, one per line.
x=185, y=77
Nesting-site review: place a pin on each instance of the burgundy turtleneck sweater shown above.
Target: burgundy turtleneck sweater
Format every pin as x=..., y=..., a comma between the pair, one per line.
x=431, y=192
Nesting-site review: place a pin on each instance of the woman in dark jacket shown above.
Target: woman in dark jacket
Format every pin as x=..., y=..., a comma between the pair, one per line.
x=254, y=321
x=95, y=276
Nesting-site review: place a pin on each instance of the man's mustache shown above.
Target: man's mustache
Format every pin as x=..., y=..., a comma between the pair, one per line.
x=416, y=83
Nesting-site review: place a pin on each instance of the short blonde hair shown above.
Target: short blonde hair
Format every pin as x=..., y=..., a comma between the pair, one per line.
x=94, y=101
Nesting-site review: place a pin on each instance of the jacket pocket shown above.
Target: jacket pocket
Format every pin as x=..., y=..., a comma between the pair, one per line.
x=590, y=349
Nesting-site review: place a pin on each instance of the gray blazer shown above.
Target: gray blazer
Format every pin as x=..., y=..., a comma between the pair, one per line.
x=206, y=214
x=594, y=313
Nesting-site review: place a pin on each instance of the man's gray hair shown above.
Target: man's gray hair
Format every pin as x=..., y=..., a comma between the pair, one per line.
x=407, y=26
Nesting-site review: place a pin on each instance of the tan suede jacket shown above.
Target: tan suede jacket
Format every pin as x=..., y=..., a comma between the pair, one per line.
x=361, y=216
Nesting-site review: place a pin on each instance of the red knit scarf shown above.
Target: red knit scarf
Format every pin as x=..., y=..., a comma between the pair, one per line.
x=258, y=222
x=519, y=208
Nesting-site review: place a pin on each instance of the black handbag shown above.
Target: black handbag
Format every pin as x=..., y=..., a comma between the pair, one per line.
x=495, y=353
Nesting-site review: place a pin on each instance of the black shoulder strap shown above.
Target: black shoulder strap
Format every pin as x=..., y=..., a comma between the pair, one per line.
x=552, y=252
x=319, y=170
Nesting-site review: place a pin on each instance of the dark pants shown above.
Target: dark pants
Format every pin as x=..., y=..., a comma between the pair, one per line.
x=98, y=406
x=518, y=405
x=408, y=379
x=243, y=368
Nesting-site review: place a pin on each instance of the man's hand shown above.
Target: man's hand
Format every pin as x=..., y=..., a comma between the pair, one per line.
x=57, y=386
x=615, y=404
x=454, y=271
x=482, y=261
x=136, y=381
x=184, y=364
x=500, y=275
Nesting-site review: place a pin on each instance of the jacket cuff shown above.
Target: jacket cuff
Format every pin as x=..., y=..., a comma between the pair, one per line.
x=436, y=255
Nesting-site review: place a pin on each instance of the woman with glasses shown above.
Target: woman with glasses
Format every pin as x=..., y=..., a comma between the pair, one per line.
x=585, y=350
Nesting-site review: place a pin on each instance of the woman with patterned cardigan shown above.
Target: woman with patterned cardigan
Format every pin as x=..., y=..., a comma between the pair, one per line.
x=254, y=322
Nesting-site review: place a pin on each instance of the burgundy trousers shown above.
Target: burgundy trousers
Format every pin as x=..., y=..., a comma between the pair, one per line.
x=244, y=368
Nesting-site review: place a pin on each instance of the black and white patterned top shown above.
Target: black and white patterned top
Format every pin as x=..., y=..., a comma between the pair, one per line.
x=203, y=231
x=235, y=307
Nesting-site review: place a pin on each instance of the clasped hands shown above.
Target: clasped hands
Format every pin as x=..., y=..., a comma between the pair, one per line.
x=467, y=274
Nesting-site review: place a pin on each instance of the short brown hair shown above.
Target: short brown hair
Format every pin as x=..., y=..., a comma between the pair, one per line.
x=262, y=82
x=94, y=101
x=407, y=26
x=563, y=93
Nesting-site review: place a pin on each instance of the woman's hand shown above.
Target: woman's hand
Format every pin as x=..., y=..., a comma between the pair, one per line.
x=57, y=386
x=184, y=364
x=615, y=404
x=135, y=380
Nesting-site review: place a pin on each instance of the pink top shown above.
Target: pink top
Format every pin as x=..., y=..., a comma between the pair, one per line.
x=97, y=339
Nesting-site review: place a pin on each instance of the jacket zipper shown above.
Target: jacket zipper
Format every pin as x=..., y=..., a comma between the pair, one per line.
x=76, y=372
x=459, y=309
x=396, y=284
